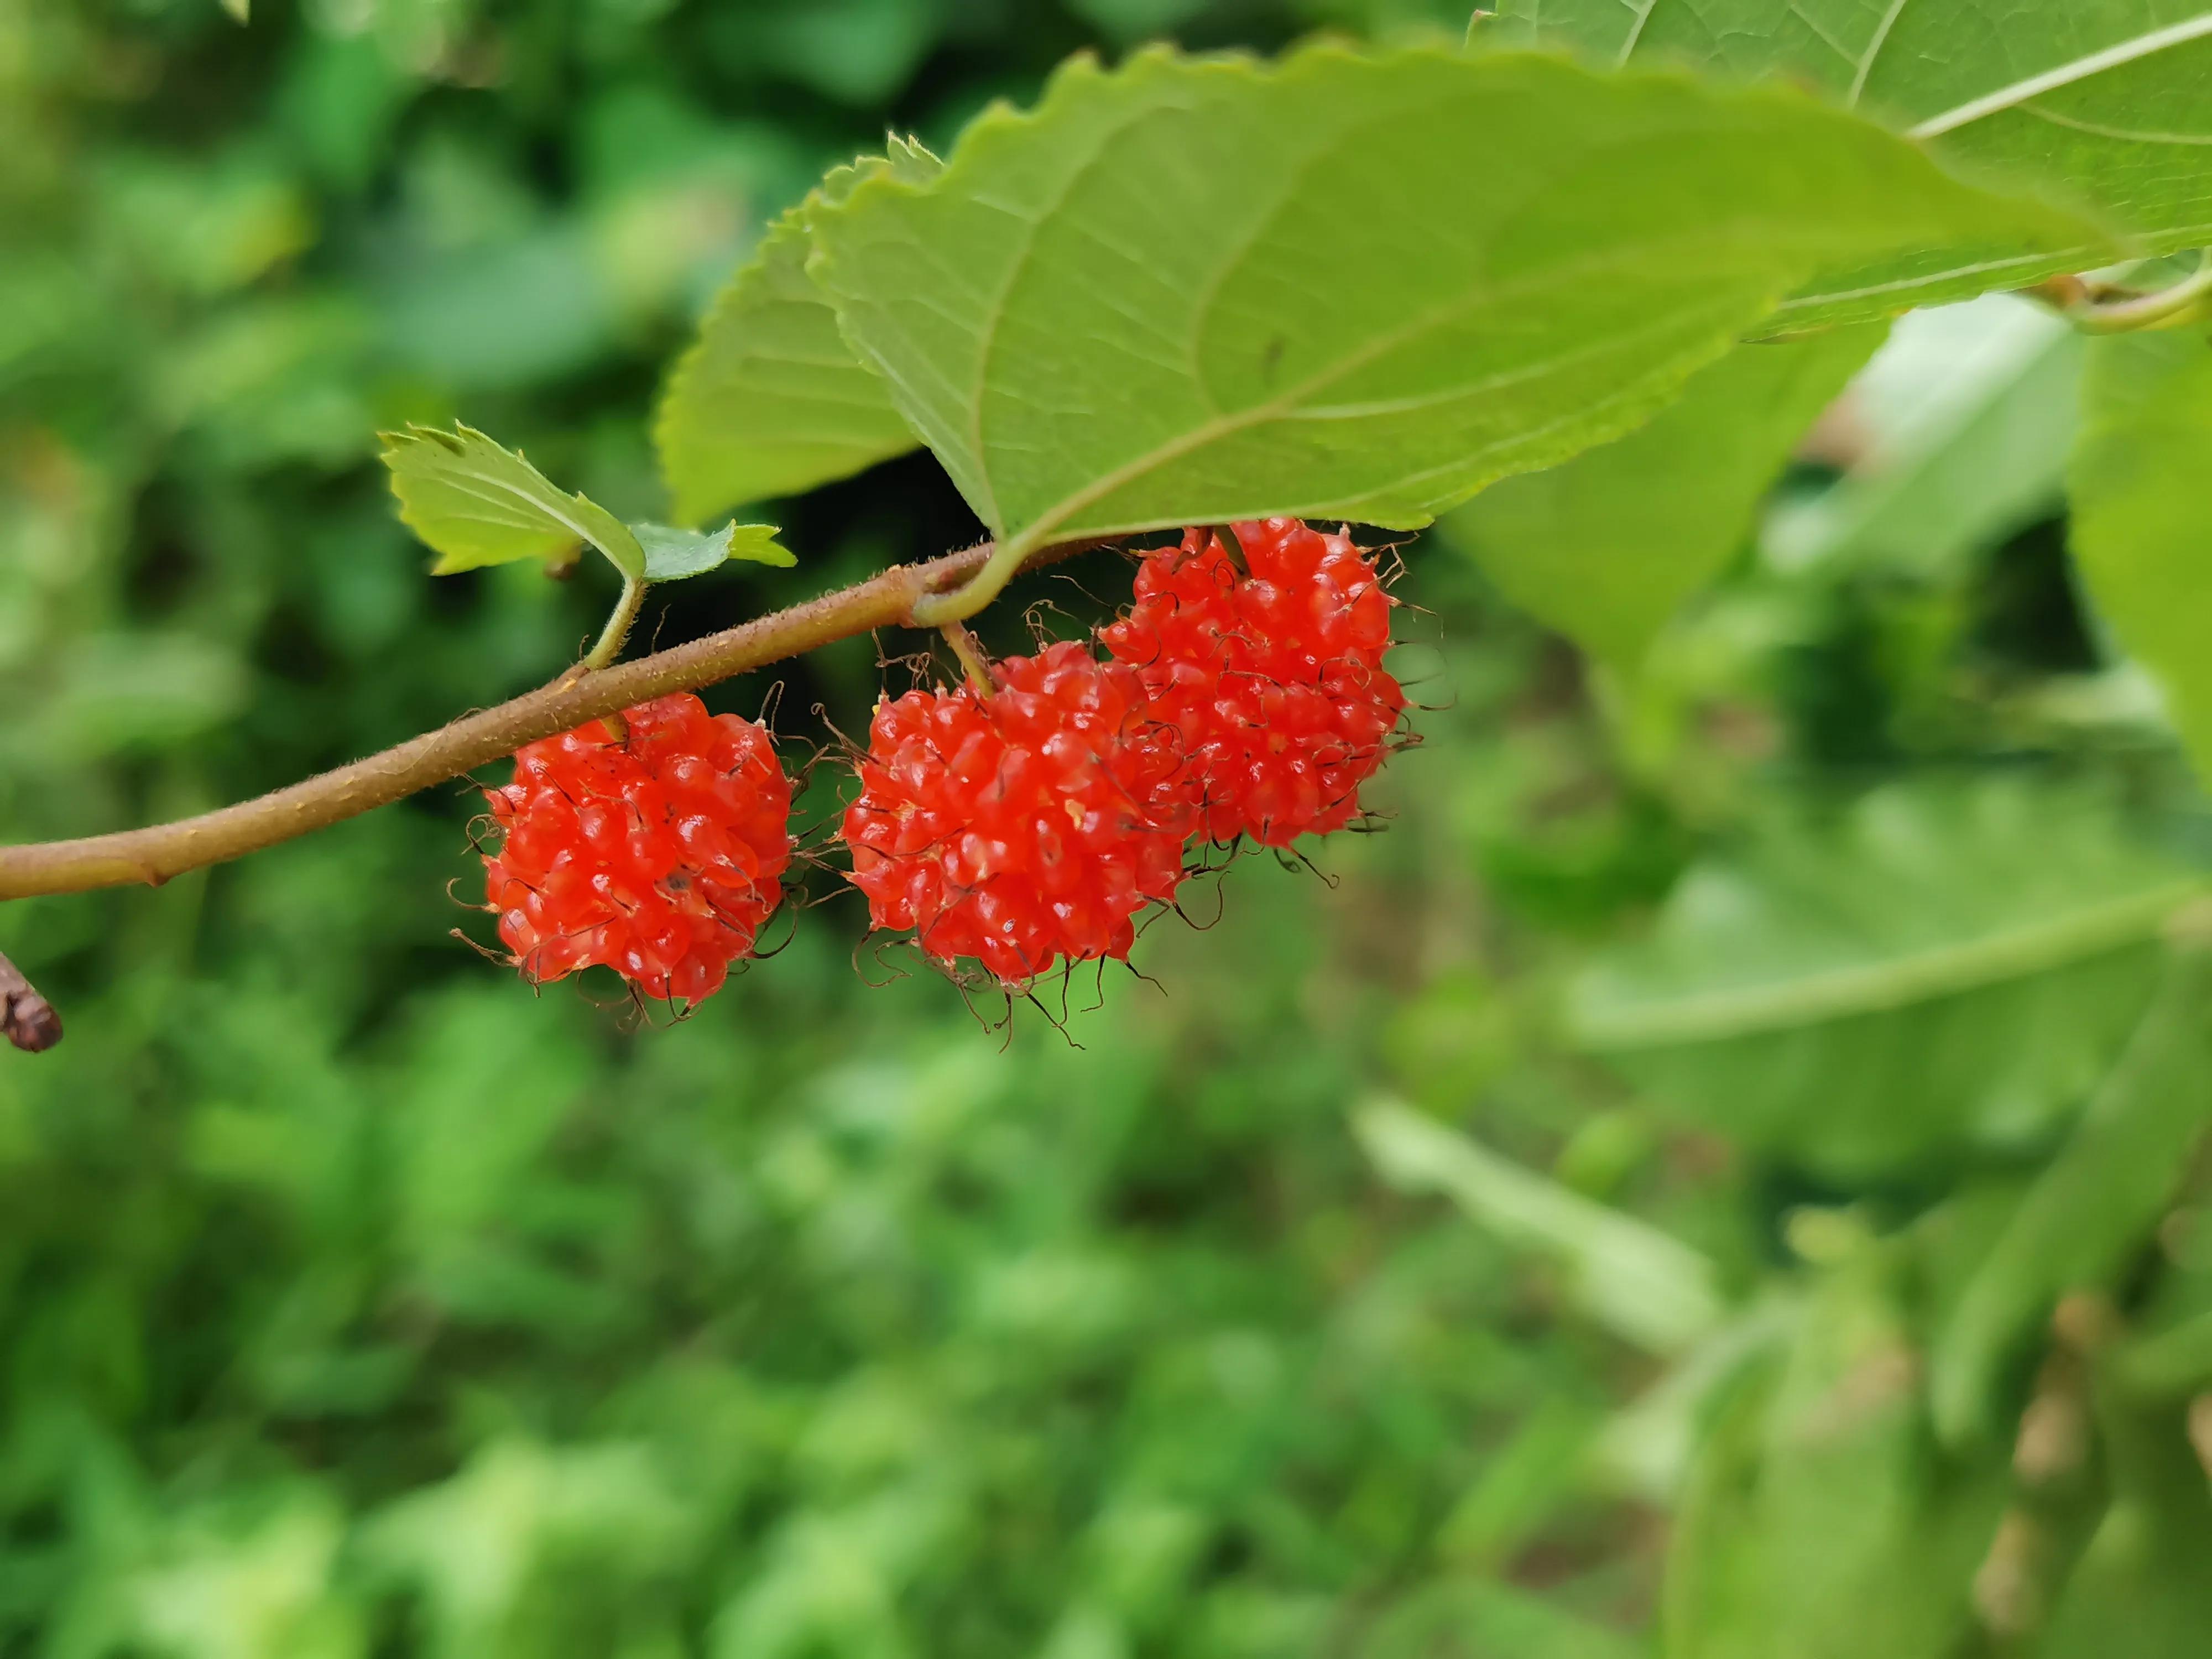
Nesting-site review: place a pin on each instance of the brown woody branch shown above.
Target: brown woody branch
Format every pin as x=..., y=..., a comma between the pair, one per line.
x=154, y=855
x=27, y=1018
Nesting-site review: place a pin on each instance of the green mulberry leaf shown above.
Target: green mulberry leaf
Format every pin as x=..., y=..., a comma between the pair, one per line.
x=2104, y=102
x=1349, y=285
x=1606, y=547
x=2143, y=513
x=1942, y=967
x=769, y=400
x=671, y=555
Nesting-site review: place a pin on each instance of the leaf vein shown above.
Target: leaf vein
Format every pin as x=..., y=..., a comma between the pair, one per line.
x=1874, y=50
x=1284, y=404
x=2065, y=74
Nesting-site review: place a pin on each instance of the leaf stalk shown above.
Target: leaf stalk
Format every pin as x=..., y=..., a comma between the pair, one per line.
x=956, y=605
x=2100, y=307
x=620, y=621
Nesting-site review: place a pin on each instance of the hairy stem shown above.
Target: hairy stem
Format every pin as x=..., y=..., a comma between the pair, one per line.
x=27, y=1018
x=154, y=855
x=619, y=622
x=958, y=604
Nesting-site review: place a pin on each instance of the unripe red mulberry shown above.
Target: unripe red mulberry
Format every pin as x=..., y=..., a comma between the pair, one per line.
x=657, y=854
x=1273, y=674
x=1021, y=828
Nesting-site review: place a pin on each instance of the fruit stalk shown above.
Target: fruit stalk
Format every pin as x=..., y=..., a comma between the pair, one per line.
x=154, y=854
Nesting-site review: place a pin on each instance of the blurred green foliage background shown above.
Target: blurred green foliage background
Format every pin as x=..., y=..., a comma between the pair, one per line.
x=355, y=1302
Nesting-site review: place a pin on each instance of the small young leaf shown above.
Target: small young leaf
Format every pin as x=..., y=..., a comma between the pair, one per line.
x=2107, y=102
x=769, y=400
x=1606, y=547
x=476, y=503
x=671, y=555
x=1348, y=285
x=2142, y=503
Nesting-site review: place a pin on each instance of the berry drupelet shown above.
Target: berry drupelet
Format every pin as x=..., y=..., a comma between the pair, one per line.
x=1272, y=674
x=1023, y=826
x=658, y=853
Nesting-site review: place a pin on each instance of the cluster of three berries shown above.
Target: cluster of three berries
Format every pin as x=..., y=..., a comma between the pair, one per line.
x=1020, y=825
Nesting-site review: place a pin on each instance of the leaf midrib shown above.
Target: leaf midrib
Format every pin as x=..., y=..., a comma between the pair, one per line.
x=1865, y=65
x=2115, y=56
x=1288, y=404
x=495, y=493
x=1883, y=986
x=2056, y=260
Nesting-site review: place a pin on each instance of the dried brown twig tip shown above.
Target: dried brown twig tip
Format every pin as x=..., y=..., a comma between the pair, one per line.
x=28, y=1018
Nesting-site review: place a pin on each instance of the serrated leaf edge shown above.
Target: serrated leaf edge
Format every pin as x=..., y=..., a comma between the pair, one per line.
x=1000, y=117
x=825, y=196
x=415, y=434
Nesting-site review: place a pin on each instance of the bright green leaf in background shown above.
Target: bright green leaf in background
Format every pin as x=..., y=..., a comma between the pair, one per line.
x=1635, y=1280
x=1605, y=547
x=476, y=504
x=2139, y=1588
x=1941, y=967
x=2142, y=485
x=1820, y=1523
x=671, y=554
x=2106, y=102
x=1961, y=425
x=2094, y=1205
x=1479, y=1618
x=247, y=1584
x=1347, y=285
x=1651, y=1447
x=856, y=52
x=769, y=400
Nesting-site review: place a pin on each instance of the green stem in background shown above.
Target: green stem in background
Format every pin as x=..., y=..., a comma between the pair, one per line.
x=2169, y=307
x=155, y=854
x=622, y=618
x=2100, y=307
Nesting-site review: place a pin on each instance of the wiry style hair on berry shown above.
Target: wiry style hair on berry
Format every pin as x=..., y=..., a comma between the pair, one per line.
x=656, y=849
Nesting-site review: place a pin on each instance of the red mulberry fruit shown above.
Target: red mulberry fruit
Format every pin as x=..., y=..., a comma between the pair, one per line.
x=1272, y=674
x=658, y=854
x=1021, y=827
